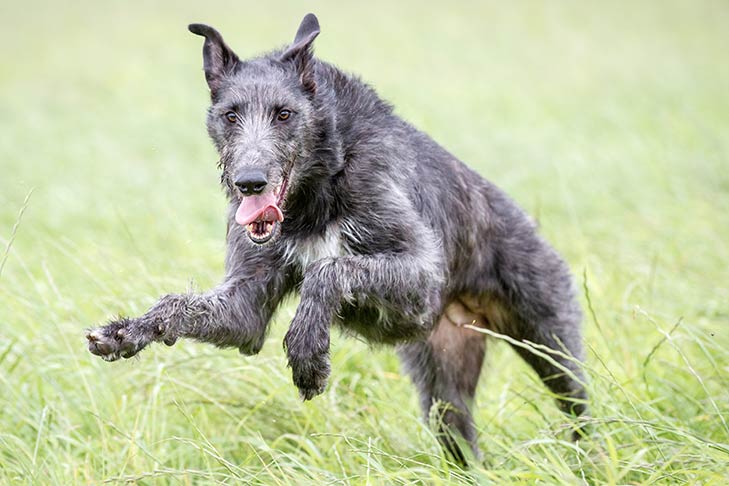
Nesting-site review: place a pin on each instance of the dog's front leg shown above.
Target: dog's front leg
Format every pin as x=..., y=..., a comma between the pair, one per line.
x=410, y=283
x=234, y=314
x=307, y=340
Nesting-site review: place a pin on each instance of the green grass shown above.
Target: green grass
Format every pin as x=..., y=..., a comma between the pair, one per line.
x=608, y=121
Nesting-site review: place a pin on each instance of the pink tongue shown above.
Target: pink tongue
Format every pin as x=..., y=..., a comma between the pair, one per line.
x=258, y=208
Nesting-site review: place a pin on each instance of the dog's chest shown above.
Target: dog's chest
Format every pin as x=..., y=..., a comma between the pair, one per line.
x=309, y=250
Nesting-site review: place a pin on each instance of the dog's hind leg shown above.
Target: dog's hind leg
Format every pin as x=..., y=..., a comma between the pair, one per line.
x=561, y=373
x=445, y=369
x=537, y=304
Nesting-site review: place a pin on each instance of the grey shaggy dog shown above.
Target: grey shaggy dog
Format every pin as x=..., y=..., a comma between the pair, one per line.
x=380, y=230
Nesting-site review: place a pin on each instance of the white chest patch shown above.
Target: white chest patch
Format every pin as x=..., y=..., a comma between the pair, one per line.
x=310, y=250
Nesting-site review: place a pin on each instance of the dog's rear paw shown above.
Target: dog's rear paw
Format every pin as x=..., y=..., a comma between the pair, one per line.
x=115, y=340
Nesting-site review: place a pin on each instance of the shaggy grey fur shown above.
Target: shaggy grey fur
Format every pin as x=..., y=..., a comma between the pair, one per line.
x=386, y=235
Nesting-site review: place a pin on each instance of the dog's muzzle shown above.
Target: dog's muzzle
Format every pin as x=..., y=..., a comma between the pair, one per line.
x=260, y=211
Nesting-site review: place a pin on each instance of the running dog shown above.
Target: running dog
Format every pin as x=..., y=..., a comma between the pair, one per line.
x=381, y=232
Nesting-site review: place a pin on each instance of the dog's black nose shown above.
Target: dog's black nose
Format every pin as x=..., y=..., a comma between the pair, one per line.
x=251, y=182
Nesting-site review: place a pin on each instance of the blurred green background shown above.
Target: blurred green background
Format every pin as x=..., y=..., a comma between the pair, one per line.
x=607, y=121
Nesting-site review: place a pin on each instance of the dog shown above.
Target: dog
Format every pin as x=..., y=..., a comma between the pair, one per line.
x=382, y=233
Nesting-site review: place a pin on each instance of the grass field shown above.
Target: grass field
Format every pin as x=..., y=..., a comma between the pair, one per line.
x=608, y=121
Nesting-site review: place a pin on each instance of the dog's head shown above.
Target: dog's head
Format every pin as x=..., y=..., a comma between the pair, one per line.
x=261, y=121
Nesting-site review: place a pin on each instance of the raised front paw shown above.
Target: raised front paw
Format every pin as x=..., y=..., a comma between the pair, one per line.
x=310, y=374
x=118, y=339
x=307, y=348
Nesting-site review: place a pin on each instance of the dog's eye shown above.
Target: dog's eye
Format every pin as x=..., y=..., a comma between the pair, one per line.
x=231, y=117
x=283, y=115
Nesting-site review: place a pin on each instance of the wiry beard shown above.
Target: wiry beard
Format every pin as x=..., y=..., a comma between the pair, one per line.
x=226, y=179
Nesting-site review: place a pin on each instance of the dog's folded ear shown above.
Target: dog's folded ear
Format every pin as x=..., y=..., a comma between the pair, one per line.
x=300, y=51
x=218, y=58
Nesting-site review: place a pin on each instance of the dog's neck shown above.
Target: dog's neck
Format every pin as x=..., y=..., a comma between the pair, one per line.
x=311, y=207
x=320, y=193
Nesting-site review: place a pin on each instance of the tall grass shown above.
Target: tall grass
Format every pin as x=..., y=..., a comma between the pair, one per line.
x=608, y=122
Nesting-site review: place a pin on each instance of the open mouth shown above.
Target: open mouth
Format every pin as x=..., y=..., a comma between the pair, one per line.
x=261, y=214
x=261, y=231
